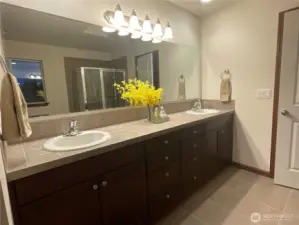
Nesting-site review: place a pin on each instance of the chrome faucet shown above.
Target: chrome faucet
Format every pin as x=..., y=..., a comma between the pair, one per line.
x=197, y=105
x=74, y=129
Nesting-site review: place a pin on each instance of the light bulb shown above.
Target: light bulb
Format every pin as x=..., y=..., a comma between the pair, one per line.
x=38, y=77
x=205, y=1
x=146, y=37
x=156, y=41
x=158, y=32
x=134, y=22
x=108, y=29
x=147, y=25
x=119, y=17
x=136, y=35
x=123, y=32
x=168, y=32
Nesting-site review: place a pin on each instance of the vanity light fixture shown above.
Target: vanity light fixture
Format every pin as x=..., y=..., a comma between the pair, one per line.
x=158, y=32
x=134, y=24
x=123, y=32
x=156, y=41
x=168, y=32
x=119, y=17
x=109, y=29
x=126, y=25
x=136, y=35
x=146, y=37
x=205, y=1
x=147, y=25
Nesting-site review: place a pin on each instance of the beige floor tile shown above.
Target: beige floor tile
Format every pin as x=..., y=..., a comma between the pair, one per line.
x=228, y=196
x=292, y=205
x=272, y=195
x=250, y=205
x=191, y=220
x=176, y=217
x=293, y=221
x=237, y=219
x=212, y=213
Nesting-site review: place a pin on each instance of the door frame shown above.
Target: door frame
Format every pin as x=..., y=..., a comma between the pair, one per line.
x=276, y=88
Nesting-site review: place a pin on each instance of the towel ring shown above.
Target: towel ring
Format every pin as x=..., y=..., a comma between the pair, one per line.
x=181, y=78
x=225, y=75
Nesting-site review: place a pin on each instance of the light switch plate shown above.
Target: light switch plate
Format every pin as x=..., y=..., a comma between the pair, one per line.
x=263, y=94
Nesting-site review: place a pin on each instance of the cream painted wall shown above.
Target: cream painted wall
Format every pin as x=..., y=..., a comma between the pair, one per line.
x=54, y=71
x=174, y=60
x=185, y=25
x=243, y=38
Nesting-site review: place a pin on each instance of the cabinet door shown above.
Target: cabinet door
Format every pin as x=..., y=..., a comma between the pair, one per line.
x=225, y=143
x=74, y=206
x=212, y=156
x=123, y=196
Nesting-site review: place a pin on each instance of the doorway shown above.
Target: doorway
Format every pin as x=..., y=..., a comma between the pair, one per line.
x=284, y=166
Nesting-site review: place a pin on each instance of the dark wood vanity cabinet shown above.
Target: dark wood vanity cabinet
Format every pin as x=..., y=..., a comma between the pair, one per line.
x=134, y=185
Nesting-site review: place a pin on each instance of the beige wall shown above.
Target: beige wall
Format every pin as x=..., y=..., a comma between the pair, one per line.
x=54, y=71
x=243, y=38
x=174, y=60
x=185, y=25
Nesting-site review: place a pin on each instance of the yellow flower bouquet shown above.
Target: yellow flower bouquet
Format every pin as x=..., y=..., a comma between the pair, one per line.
x=139, y=93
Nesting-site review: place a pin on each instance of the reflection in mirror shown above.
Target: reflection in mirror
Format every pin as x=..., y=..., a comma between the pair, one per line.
x=66, y=66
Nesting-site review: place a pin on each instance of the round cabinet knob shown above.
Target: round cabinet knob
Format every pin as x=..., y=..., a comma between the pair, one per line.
x=195, y=145
x=166, y=142
x=284, y=112
x=166, y=158
x=195, y=132
x=104, y=183
x=222, y=131
x=167, y=174
x=167, y=196
x=195, y=159
x=194, y=178
x=95, y=187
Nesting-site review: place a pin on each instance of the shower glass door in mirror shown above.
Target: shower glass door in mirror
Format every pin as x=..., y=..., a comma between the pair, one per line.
x=94, y=88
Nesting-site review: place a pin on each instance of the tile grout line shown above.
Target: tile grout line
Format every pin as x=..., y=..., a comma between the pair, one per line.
x=286, y=203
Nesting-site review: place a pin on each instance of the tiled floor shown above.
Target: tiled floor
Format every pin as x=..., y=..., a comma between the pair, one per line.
x=233, y=197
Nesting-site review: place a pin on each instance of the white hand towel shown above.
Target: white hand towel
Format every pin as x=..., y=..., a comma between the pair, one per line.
x=225, y=90
x=15, y=121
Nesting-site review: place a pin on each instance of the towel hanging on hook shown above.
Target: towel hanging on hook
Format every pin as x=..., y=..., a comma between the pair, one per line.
x=225, y=75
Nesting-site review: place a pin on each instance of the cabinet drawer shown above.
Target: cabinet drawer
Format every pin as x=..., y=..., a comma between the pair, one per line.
x=65, y=176
x=192, y=147
x=195, y=175
x=162, y=178
x=163, y=157
x=164, y=202
x=194, y=131
x=162, y=150
x=161, y=142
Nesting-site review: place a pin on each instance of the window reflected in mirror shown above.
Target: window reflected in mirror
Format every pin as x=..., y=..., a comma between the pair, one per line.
x=29, y=74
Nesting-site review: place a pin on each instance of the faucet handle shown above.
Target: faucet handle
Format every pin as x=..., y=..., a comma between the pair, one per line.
x=74, y=123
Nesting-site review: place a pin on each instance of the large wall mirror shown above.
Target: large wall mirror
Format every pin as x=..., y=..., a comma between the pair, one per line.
x=66, y=66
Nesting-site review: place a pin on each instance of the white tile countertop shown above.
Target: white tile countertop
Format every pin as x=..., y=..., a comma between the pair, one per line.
x=29, y=158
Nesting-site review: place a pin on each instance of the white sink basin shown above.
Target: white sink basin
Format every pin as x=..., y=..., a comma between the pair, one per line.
x=83, y=140
x=202, y=111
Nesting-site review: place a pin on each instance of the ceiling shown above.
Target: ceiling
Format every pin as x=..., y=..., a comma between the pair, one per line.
x=201, y=9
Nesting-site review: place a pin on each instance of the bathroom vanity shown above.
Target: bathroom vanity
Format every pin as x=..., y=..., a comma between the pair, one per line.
x=129, y=182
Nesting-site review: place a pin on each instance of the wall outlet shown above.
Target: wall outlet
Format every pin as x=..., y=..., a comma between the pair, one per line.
x=263, y=94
